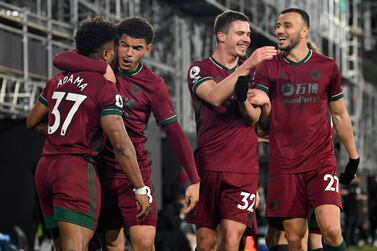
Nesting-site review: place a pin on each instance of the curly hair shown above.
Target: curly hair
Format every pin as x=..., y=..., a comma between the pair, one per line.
x=93, y=33
x=137, y=27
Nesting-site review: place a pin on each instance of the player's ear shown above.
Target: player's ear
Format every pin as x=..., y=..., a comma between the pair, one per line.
x=221, y=37
x=148, y=48
x=305, y=32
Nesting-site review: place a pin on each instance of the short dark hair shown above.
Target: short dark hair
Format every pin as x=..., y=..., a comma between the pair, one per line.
x=223, y=20
x=137, y=27
x=92, y=34
x=304, y=15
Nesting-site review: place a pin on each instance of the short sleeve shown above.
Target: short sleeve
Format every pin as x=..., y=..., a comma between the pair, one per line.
x=260, y=78
x=197, y=75
x=109, y=100
x=335, y=90
x=46, y=92
x=162, y=106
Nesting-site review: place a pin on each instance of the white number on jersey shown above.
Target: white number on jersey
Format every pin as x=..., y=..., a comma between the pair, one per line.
x=77, y=98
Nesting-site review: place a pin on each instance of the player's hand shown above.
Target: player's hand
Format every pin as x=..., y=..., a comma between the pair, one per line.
x=109, y=75
x=241, y=87
x=143, y=206
x=257, y=199
x=259, y=55
x=349, y=172
x=191, y=197
x=257, y=97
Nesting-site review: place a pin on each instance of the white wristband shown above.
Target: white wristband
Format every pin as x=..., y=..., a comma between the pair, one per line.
x=141, y=191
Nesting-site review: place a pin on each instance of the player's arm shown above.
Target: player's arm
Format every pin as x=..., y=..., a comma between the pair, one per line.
x=343, y=127
x=260, y=99
x=216, y=93
x=72, y=61
x=179, y=142
x=124, y=151
x=249, y=112
x=36, y=118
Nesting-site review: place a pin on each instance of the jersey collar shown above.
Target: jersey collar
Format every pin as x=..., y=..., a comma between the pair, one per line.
x=213, y=60
x=303, y=61
x=133, y=72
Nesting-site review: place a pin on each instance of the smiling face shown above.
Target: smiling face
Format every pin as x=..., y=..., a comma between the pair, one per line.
x=131, y=51
x=291, y=30
x=237, y=39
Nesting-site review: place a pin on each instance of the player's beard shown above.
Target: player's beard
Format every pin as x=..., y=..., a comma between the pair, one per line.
x=293, y=43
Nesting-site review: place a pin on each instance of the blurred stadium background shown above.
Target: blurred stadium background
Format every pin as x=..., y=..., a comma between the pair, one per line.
x=32, y=31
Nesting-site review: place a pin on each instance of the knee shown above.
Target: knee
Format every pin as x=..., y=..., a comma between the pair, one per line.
x=332, y=235
x=206, y=244
x=143, y=244
x=230, y=240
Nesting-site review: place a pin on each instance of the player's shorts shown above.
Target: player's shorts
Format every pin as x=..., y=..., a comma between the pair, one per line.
x=119, y=205
x=290, y=195
x=68, y=190
x=225, y=195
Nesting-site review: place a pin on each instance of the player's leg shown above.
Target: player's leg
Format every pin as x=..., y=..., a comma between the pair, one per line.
x=110, y=228
x=328, y=218
x=205, y=215
x=74, y=237
x=323, y=191
x=76, y=202
x=142, y=237
x=315, y=236
x=142, y=233
x=237, y=206
x=206, y=238
x=230, y=234
x=275, y=236
x=315, y=242
x=287, y=200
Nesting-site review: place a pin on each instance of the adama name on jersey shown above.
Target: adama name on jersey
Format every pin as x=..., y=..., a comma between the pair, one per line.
x=77, y=81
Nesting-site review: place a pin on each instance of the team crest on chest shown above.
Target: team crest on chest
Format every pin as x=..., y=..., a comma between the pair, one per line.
x=135, y=89
x=315, y=74
x=129, y=102
x=218, y=79
x=282, y=75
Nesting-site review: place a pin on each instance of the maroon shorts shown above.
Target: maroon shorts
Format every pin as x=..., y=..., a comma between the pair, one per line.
x=119, y=205
x=292, y=195
x=225, y=195
x=68, y=190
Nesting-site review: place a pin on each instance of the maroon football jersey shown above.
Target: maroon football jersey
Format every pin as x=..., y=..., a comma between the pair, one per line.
x=75, y=103
x=300, y=133
x=224, y=141
x=143, y=92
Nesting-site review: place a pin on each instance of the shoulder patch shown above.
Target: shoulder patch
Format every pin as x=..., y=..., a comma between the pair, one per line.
x=119, y=101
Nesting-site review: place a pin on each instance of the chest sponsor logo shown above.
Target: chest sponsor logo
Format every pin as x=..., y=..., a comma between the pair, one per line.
x=282, y=75
x=299, y=93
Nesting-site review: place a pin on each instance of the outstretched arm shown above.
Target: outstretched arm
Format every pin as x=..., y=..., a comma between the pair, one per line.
x=343, y=127
x=182, y=148
x=124, y=151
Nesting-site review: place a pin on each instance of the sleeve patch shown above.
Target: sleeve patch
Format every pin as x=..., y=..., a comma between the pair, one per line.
x=169, y=120
x=43, y=100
